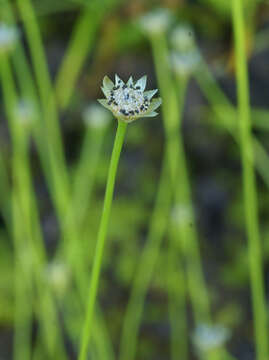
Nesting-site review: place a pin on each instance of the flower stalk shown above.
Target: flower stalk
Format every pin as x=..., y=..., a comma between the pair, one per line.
x=127, y=102
x=99, y=251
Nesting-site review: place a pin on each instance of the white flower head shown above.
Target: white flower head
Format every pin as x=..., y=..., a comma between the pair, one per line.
x=207, y=337
x=128, y=101
x=185, y=64
x=182, y=38
x=156, y=22
x=8, y=37
x=96, y=117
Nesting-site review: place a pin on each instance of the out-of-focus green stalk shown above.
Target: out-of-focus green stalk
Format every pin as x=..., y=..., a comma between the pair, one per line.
x=97, y=262
x=52, y=128
x=177, y=300
x=23, y=269
x=54, y=174
x=5, y=201
x=25, y=206
x=60, y=199
x=85, y=172
x=29, y=92
x=158, y=224
x=144, y=272
x=249, y=186
x=187, y=239
x=83, y=182
x=259, y=116
x=177, y=163
x=176, y=283
x=81, y=42
x=217, y=100
x=23, y=292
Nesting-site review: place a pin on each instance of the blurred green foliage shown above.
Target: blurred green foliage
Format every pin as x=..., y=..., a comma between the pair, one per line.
x=111, y=42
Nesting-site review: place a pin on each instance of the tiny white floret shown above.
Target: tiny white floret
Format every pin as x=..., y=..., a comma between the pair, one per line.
x=182, y=38
x=8, y=37
x=25, y=112
x=207, y=337
x=156, y=22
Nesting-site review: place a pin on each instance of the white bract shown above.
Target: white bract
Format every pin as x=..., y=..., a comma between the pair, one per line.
x=129, y=101
x=155, y=22
x=96, y=116
x=8, y=37
x=208, y=337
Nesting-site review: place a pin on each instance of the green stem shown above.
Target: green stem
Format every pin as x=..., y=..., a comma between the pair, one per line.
x=249, y=185
x=95, y=275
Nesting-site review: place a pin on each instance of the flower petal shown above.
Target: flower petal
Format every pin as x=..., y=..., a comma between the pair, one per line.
x=118, y=80
x=105, y=91
x=154, y=104
x=150, y=93
x=104, y=103
x=142, y=83
x=107, y=83
x=130, y=81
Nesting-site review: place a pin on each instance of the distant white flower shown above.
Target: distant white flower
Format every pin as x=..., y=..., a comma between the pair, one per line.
x=96, y=116
x=25, y=112
x=155, y=22
x=129, y=101
x=184, y=64
x=57, y=275
x=8, y=37
x=181, y=214
x=208, y=337
x=182, y=38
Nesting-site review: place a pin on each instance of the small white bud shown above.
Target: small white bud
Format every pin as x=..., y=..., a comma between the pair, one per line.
x=58, y=276
x=181, y=214
x=8, y=37
x=25, y=112
x=182, y=38
x=156, y=22
x=208, y=337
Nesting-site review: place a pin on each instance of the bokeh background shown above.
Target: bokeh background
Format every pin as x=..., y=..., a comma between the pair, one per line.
x=111, y=41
